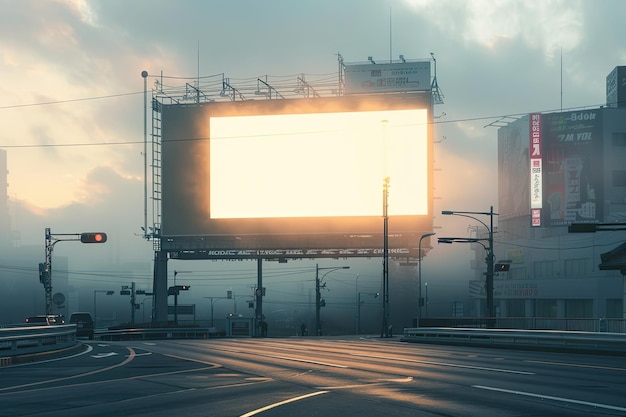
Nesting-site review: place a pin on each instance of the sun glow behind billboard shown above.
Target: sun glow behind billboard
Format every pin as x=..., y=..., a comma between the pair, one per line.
x=296, y=174
x=318, y=165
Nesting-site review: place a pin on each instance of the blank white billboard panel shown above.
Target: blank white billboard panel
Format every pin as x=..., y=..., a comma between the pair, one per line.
x=296, y=174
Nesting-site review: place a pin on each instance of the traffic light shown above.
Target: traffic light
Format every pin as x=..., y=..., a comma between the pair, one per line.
x=176, y=289
x=43, y=273
x=502, y=267
x=93, y=237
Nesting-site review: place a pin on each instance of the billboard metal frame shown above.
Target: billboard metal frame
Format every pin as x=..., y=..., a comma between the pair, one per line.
x=308, y=243
x=218, y=88
x=195, y=247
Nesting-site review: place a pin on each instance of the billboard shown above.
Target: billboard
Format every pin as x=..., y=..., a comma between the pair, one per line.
x=385, y=78
x=536, y=170
x=513, y=170
x=296, y=177
x=572, y=167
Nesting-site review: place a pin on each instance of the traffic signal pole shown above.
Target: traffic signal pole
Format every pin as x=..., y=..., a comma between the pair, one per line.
x=489, y=275
x=45, y=269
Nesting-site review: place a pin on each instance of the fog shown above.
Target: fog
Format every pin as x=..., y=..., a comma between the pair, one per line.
x=72, y=117
x=83, y=272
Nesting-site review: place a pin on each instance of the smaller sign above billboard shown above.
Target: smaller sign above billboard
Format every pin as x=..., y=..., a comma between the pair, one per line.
x=386, y=78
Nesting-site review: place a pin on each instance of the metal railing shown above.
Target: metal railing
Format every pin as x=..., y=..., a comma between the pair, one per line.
x=152, y=333
x=29, y=340
x=574, y=341
x=611, y=325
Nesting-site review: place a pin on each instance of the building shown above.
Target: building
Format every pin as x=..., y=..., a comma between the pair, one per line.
x=555, y=169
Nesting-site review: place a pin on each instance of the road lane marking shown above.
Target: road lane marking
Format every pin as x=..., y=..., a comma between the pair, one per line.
x=380, y=382
x=549, y=397
x=130, y=357
x=452, y=365
x=143, y=354
x=575, y=365
x=278, y=404
x=334, y=365
x=399, y=380
x=288, y=358
x=89, y=349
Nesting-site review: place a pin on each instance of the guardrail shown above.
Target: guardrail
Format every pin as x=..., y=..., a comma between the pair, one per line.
x=574, y=341
x=611, y=325
x=23, y=342
x=160, y=333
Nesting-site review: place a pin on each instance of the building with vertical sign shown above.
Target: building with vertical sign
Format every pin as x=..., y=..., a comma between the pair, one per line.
x=555, y=169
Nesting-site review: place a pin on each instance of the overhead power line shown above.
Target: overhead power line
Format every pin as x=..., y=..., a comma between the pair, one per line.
x=71, y=100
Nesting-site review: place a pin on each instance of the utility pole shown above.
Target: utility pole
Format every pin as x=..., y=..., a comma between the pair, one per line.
x=133, y=305
x=490, y=271
x=319, y=303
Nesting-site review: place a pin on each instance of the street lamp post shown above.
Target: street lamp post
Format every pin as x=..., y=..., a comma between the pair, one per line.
x=318, y=295
x=95, y=310
x=358, y=320
x=356, y=293
x=175, y=291
x=419, y=276
x=384, y=331
x=213, y=300
x=143, y=308
x=489, y=249
x=426, y=298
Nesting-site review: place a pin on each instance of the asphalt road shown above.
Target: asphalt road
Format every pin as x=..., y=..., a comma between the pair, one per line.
x=329, y=377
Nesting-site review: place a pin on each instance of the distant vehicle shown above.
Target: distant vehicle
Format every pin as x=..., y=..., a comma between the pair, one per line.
x=45, y=320
x=84, y=324
x=58, y=318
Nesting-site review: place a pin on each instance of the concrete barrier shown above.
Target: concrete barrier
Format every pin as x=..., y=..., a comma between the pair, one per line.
x=573, y=341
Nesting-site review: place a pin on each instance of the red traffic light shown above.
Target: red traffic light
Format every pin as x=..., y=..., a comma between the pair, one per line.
x=96, y=237
x=502, y=267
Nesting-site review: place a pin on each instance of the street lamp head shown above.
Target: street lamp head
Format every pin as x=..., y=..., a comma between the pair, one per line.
x=447, y=212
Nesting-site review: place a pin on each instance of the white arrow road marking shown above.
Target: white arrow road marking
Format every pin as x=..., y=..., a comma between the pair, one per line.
x=104, y=355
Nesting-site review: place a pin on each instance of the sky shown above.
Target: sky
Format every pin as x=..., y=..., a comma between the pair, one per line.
x=71, y=91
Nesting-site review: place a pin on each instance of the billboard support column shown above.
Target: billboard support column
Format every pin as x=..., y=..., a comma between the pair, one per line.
x=159, y=288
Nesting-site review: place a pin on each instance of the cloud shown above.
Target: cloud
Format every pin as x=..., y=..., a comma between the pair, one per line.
x=547, y=25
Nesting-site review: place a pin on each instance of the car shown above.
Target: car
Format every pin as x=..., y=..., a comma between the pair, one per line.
x=45, y=320
x=38, y=320
x=84, y=324
x=57, y=318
